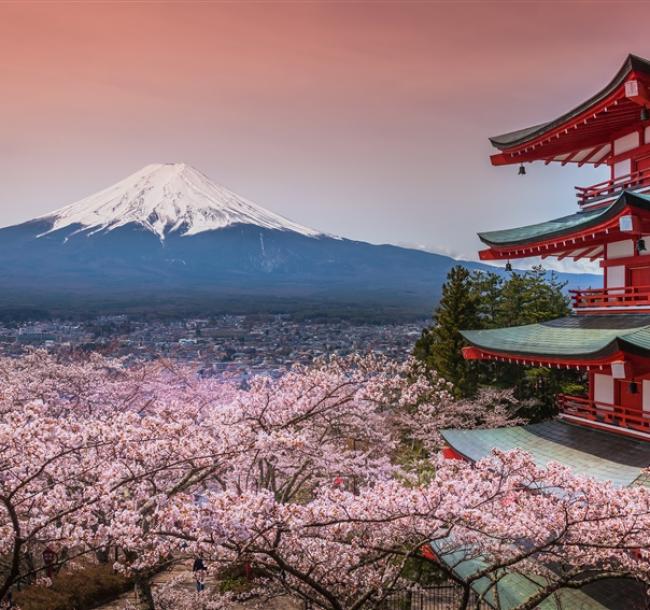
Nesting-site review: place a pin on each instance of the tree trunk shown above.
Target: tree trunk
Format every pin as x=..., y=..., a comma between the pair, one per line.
x=464, y=602
x=31, y=567
x=103, y=555
x=143, y=596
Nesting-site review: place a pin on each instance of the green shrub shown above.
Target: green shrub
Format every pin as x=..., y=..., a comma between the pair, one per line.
x=233, y=585
x=575, y=389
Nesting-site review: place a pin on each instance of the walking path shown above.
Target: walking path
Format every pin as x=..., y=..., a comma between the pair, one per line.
x=181, y=570
x=182, y=573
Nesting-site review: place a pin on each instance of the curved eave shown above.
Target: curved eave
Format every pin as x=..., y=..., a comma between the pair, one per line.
x=632, y=63
x=574, y=234
x=582, y=128
x=593, y=361
x=575, y=341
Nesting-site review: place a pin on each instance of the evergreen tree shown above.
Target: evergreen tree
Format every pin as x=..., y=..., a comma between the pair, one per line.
x=487, y=289
x=530, y=297
x=483, y=299
x=440, y=346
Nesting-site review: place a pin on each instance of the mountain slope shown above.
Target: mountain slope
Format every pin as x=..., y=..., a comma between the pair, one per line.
x=168, y=238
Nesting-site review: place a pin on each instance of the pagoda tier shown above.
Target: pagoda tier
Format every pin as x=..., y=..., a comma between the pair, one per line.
x=513, y=588
x=617, y=234
x=583, y=235
x=612, y=349
x=585, y=134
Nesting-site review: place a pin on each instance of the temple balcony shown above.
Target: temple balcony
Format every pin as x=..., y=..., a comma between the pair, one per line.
x=615, y=418
x=634, y=297
x=604, y=192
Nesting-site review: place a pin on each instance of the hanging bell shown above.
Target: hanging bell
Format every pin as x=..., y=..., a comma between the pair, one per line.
x=645, y=114
x=508, y=266
x=640, y=245
x=522, y=169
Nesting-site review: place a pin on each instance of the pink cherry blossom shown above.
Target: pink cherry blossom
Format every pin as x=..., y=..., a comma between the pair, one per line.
x=325, y=482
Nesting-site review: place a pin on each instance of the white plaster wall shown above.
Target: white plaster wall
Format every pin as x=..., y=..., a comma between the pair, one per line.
x=620, y=249
x=645, y=395
x=615, y=277
x=626, y=142
x=622, y=168
x=603, y=388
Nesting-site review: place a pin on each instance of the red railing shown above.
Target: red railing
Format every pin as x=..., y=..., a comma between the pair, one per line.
x=611, y=297
x=638, y=180
x=597, y=412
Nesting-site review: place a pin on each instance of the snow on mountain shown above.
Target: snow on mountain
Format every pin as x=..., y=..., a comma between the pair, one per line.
x=164, y=198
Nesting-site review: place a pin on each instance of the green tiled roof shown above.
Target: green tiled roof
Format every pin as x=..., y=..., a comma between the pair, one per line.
x=536, y=232
x=640, y=338
x=565, y=224
x=513, y=588
x=643, y=480
x=573, y=336
x=586, y=452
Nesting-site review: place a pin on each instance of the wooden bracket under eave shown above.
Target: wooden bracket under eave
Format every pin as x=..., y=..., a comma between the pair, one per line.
x=503, y=159
x=489, y=255
x=471, y=352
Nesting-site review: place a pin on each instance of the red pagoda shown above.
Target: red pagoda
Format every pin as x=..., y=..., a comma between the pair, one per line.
x=609, y=335
x=606, y=433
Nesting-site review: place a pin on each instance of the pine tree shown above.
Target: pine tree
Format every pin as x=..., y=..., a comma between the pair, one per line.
x=528, y=298
x=440, y=346
x=486, y=287
x=483, y=299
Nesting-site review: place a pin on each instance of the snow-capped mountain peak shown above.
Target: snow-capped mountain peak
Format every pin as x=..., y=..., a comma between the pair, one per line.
x=168, y=197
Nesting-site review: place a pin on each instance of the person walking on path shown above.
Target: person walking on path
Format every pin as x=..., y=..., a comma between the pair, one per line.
x=199, y=570
x=8, y=601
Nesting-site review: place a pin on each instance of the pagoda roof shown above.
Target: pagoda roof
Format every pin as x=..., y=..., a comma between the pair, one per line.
x=585, y=451
x=579, y=338
x=577, y=235
x=583, y=133
x=512, y=588
x=545, y=230
x=632, y=63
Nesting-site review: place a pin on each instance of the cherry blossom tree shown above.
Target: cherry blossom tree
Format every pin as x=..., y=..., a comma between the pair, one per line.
x=84, y=443
x=342, y=550
x=301, y=479
x=322, y=440
x=48, y=482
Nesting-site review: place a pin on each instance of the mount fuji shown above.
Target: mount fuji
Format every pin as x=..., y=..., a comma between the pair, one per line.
x=167, y=198
x=168, y=239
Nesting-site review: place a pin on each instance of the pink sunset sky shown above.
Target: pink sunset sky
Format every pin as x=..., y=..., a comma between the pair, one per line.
x=363, y=119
